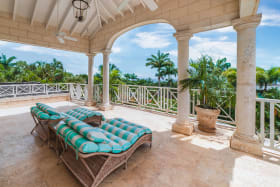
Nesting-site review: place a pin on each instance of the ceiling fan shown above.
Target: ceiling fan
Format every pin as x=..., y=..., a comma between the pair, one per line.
x=61, y=36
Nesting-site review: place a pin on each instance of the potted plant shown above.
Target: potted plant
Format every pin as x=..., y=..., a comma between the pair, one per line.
x=206, y=76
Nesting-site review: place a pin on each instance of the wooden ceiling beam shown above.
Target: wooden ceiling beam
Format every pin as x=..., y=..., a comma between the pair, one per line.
x=35, y=12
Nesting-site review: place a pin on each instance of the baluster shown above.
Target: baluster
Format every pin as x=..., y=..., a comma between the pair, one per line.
x=262, y=120
x=46, y=89
x=271, y=125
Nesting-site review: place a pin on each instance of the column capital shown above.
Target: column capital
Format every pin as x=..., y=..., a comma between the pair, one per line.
x=106, y=51
x=247, y=22
x=183, y=35
x=91, y=54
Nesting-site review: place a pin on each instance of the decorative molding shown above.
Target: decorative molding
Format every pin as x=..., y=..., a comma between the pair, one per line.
x=247, y=22
x=183, y=35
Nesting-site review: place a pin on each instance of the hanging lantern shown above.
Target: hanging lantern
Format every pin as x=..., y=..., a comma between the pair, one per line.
x=80, y=9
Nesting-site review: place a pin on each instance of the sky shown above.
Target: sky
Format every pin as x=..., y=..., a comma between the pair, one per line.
x=131, y=49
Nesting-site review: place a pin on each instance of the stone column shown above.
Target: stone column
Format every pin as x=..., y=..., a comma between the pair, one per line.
x=90, y=101
x=182, y=124
x=244, y=137
x=106, y=101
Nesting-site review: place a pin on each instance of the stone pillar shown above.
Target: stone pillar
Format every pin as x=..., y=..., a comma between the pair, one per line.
x=182, y=124
x=244, y=137
x=106, y=101
x=90, y=101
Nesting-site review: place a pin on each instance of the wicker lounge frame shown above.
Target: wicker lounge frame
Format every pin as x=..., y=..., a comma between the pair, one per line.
x=91, y=169
x=41, y=125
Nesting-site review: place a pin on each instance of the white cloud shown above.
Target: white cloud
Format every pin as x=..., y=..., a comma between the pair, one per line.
x=173, y=53
x=43, y=50
x=270, y=17
x=151, y=40
x=116, y=49
x=214, y=48
x=223, y=38
x=225, y=30
x=28, y=48
x=2, y=43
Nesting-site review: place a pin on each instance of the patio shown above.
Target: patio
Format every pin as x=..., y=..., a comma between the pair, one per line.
x=174, y=160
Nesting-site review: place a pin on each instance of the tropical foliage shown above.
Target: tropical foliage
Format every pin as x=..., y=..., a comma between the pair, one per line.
x=163, y=64
x=39, y=71
x=207, y=76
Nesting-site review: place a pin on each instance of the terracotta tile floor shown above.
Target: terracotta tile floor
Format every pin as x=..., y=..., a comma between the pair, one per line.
x=174, y=160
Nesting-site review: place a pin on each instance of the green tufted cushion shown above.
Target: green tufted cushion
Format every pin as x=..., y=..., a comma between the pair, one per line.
x=77, y=115
x=123, y=134
x=38, y=113
x=55, y=117
x=47, y=109
x=88, y=113
x=77, y=141
x=117, y=143
x=89, y=132
x=136, y=130
x=147, y=130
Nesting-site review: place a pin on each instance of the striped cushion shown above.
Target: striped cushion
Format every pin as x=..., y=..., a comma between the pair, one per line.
x=64, y=115
x=126, y=135
x=89, y=113
x=77, y=115
x=89, y=132
x=77, y=141
x=136, y=130
x=47, y=109
x=55, y=117
x=147, y=130
x=117, y=143
x=39, y=113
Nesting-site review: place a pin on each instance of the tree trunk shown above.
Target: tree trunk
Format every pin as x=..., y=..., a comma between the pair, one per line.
x=158, y=81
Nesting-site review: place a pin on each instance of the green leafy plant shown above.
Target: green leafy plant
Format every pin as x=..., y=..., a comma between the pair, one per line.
x=207, y=76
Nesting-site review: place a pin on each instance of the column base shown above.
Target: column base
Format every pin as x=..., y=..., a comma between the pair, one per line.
x=105, y=107
x=90, y=103
x=250, y=145
x=186, y=128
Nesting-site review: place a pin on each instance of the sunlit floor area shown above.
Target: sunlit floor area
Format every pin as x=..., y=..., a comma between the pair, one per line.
x=174, y=160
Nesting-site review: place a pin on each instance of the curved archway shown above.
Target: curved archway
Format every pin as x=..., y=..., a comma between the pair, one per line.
x=131, y=27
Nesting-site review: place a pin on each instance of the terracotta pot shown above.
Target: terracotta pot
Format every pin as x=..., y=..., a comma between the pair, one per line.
x=207, y=119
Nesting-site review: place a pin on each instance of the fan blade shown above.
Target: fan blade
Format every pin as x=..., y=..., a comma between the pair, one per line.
x=60, y=40
x=123, y=4
x=70, y=38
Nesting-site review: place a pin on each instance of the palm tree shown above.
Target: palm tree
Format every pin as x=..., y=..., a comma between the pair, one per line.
x=114, y=75
x=7, y=62
x=206, y=76
x=158, y=61
x=169, y=70
x=130, y=78
x=266, y=77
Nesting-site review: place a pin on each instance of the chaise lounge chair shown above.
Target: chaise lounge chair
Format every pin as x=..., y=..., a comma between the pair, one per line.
x=91, y=153
x=44, y=116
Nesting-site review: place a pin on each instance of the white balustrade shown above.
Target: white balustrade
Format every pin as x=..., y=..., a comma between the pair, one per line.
x=19, y=90
x=269, y=110
x=161, y=99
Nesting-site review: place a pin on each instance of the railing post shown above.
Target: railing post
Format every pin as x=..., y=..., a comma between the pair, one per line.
x=46, y=86
x=271, y=125
x=262, y=120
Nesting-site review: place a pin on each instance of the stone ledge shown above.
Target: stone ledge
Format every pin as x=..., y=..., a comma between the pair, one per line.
x=25, y=100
